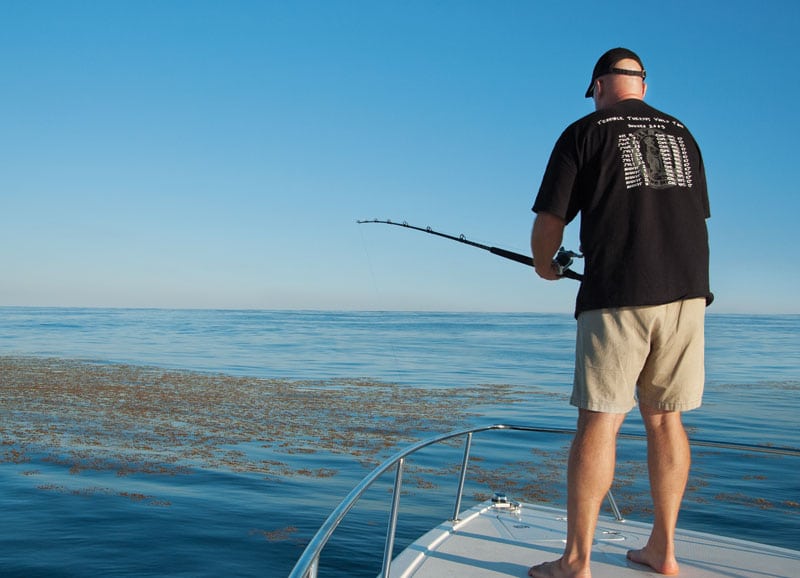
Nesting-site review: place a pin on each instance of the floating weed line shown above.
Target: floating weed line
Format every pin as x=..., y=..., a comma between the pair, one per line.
x=132, y=419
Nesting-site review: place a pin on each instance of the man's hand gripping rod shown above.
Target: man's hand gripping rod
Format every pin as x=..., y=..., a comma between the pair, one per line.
x=562, y=261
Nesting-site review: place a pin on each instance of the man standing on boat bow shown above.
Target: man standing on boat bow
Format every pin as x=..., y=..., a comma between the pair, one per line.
x=636, y=177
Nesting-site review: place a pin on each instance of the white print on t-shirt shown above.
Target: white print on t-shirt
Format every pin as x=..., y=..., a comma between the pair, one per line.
x=652, y=158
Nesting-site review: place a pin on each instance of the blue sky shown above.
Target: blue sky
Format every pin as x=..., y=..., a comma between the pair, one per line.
x=218, y=154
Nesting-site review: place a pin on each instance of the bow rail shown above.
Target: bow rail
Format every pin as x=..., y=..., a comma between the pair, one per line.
x=308, y=564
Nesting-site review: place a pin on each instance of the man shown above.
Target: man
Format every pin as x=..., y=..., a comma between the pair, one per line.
x=636, y=177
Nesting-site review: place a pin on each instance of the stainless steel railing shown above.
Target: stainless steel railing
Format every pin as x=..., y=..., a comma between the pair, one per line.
x=308, y=564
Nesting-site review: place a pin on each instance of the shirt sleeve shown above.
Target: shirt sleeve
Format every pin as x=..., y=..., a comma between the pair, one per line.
x=558, y=183
x=703, y=183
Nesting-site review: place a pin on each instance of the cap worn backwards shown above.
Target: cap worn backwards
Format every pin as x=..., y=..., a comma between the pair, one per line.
x=605, y=65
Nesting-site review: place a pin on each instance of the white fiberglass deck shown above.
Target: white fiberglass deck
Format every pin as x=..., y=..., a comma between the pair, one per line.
x=493, y=542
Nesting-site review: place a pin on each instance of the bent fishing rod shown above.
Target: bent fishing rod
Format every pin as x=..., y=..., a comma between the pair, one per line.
x=562, y=261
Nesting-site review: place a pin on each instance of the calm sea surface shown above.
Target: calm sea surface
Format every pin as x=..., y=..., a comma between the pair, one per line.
x=214, y=515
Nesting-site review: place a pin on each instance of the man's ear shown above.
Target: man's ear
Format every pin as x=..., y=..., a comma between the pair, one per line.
x=598, y=87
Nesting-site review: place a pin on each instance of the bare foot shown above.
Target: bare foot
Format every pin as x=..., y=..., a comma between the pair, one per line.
x=660, y=563
x=555, y=569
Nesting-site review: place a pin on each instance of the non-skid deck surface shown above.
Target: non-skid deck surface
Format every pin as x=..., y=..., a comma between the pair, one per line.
x=493, y=543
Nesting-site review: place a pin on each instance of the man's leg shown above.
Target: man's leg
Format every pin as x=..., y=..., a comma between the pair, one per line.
x=668, y=461
x=590, y=473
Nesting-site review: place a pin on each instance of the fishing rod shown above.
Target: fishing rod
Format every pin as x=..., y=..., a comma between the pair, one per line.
x=562, y=261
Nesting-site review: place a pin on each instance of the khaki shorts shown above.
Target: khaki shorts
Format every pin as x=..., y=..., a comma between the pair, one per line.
x=653, y=353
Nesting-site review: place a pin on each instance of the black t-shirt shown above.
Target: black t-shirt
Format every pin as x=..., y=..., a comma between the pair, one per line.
x=636, y=177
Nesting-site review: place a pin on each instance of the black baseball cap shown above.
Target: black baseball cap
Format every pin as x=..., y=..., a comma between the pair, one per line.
x=605, y=65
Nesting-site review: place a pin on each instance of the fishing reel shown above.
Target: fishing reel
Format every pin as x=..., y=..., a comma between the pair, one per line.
x=564, y=259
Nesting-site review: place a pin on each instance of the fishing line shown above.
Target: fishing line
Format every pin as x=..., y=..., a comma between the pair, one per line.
x=563, y=260
x=369, y=264
x=379, y=295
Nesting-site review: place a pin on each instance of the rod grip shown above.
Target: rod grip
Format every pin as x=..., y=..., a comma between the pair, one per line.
x=519, y=258
x=525, y=260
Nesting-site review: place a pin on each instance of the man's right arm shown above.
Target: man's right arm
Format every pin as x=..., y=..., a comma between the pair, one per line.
x=546, y=238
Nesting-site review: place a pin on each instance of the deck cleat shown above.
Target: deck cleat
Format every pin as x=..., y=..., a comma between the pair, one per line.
x=501, y=502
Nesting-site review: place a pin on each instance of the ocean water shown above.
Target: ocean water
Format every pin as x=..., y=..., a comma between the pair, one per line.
x=214, y=443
